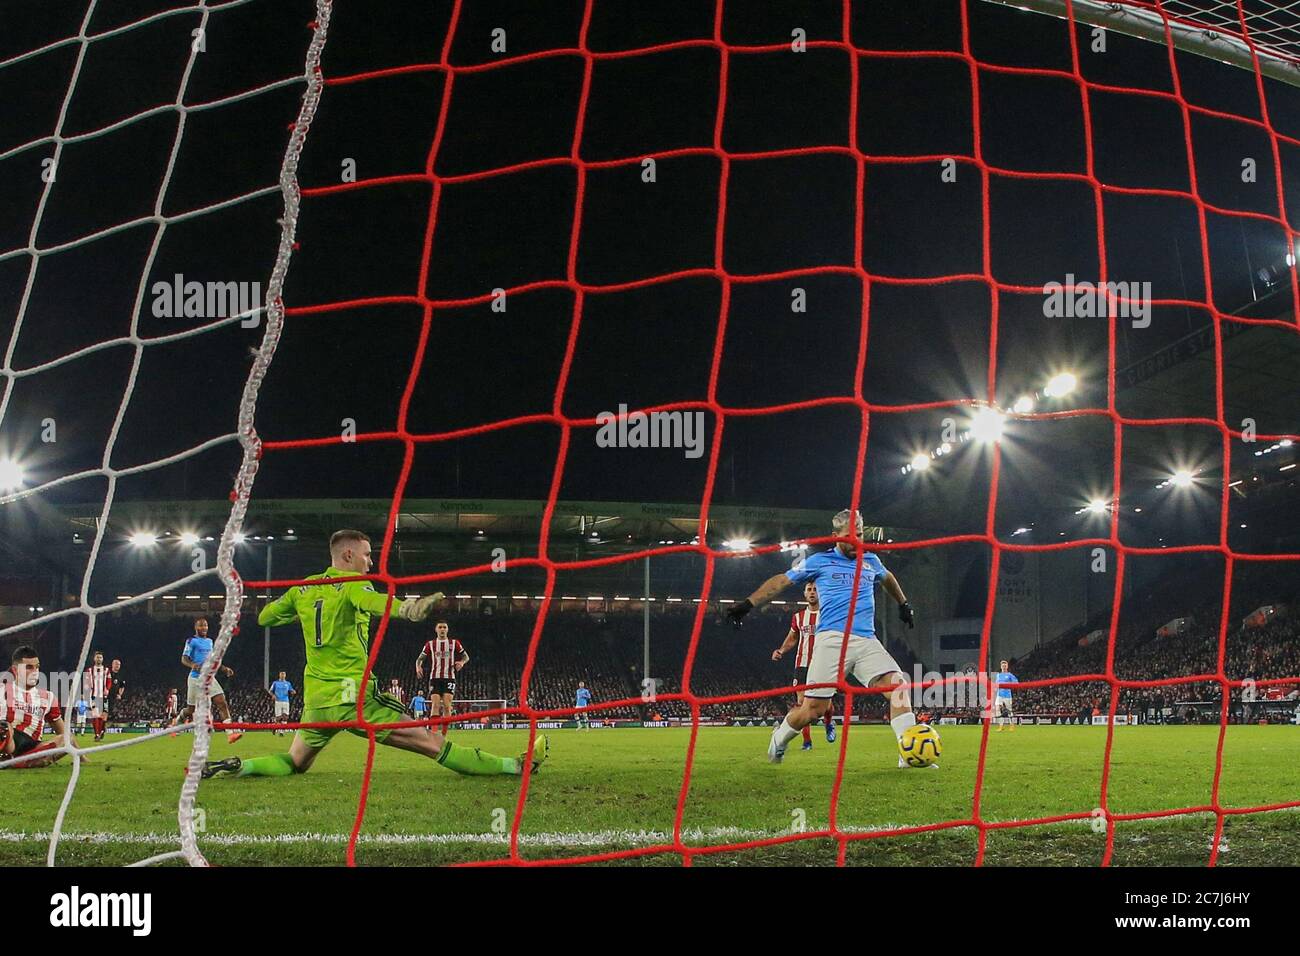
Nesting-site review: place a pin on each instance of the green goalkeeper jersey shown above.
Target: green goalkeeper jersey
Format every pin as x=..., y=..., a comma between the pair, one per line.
x=335, y=622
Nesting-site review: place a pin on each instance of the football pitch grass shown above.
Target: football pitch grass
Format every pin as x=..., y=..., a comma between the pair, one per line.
x=605, y=790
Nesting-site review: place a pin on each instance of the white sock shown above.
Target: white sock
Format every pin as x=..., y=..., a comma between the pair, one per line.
x=902, y=722
x=784, y=733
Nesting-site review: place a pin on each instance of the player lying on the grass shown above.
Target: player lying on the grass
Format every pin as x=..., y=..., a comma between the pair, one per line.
x=832, y=573
x=197, y=649
x=803, y=631
x=24, y=710
x=335, y=622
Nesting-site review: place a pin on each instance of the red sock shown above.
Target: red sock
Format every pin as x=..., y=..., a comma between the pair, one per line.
x=807, y=734
x=827, y=719
x=32, y=764
x=99, y=726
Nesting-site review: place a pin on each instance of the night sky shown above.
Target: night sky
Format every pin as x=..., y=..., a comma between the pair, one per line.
x=643, y=346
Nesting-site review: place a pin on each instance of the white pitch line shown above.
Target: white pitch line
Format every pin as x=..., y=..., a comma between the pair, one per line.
x=580, y=838
x=589, y=838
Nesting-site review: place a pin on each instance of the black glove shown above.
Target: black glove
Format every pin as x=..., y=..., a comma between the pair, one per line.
x=738, y=611
x=906, y=614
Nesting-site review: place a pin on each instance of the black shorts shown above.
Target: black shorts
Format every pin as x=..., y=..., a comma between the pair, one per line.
x=442, y=685
x=801, y=677
x=23, y=744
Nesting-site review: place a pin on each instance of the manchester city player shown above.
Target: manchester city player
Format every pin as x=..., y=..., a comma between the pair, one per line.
x=582, y=700
x=832, y=573
x=196, y=651
x=1002, y=706
x=281, y=690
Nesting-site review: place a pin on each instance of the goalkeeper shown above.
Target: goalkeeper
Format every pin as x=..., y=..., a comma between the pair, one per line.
x=335, y=622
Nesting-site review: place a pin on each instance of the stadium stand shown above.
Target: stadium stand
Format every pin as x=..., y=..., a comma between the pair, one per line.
x=606, y=651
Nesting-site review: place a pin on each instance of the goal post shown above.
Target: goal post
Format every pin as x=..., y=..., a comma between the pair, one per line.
x=1211, y=28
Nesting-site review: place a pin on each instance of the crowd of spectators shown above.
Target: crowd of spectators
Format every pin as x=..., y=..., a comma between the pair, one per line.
x=1141, y=653
x=604, y=650
x=607, y=652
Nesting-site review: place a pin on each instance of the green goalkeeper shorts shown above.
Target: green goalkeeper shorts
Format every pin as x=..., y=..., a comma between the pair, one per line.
x=379, y=709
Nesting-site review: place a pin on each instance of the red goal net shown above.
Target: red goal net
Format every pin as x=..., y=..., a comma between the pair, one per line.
x=422, y=274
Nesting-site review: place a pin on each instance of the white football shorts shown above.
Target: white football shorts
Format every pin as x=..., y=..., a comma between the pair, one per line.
x=866, y=659
x=192, y=690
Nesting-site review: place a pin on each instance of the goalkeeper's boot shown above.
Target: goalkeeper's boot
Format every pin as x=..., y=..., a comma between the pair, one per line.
x=830, y=733
x=775, y=752
x=541, y=750
x=230, y=765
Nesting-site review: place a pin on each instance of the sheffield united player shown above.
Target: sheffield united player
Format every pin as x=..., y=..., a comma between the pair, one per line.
x=96, y=685
x=173, y=707
x=801, y=637
x=446, y=656
x=24, y=710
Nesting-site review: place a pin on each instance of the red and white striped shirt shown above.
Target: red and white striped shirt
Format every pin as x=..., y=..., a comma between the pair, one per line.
x=442, y=653
x=98, y=681
x=804, y=623
x=171, y=703
x=27, y=710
